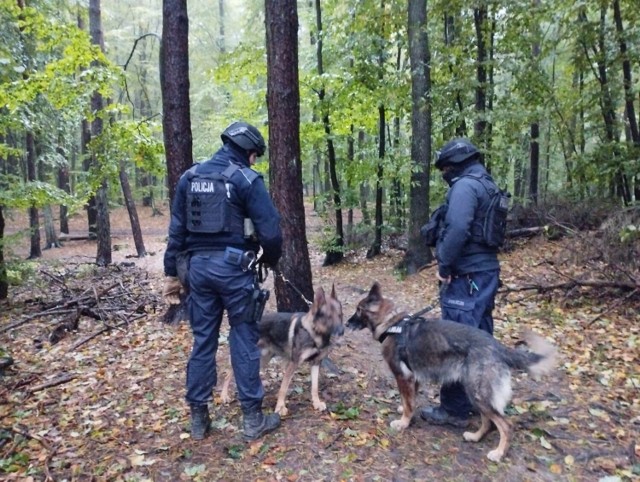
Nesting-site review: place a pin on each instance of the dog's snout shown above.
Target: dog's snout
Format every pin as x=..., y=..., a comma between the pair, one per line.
x=355, y=323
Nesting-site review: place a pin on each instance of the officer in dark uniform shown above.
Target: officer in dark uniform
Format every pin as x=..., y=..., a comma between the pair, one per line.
x=468, y=269
x=216, y=206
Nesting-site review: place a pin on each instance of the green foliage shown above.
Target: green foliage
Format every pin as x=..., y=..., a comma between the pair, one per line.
x=16, y=193
x=19, y=272
x=342, y=412
x=49, y=71
x=630, y=234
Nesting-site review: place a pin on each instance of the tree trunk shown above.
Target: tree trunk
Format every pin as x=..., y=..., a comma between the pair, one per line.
x=34, y=223
x=90, y=207
x=64, y=184
x=450, y=36
x=335, y=253
x=103, y=226
x=376, y=247
x=534, y=147
x=221, y=35
x=351, y=199
x=364, y=188
x=85, y=138
x=620, y=181
x=174, y=82
x=626, y=75
x=285, y=174
x=480, y=125
x=534, y=163
x=51, y=238
x=418, y=254
x=133, y=213
x=4, y=283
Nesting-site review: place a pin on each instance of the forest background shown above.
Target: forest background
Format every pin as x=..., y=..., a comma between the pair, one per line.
x=354, y=97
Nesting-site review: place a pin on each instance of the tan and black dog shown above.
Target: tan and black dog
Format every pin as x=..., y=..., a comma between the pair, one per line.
x=422, y=350
x=297, y=338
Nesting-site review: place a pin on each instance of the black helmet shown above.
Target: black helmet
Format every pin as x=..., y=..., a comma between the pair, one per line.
x=245, y=136
x=456, y=152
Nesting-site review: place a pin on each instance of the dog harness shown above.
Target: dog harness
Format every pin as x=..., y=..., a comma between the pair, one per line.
x=401, y=330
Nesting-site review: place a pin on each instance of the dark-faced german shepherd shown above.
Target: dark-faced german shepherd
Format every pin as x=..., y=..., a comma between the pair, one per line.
x=421, y=350
x=298, y=337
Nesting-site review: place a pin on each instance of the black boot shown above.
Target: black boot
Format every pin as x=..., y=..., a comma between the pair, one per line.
x=256, y=424
x=200, y=421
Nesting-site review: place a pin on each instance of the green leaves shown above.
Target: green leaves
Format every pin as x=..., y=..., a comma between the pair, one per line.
x=17, y=194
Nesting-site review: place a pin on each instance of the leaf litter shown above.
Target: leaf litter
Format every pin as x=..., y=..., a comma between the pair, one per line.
x=112, y=407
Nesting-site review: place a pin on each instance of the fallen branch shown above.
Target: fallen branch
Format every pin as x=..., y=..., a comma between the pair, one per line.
x=55, y=309
x=43, y=442
x=516, y=233
x=17, y=430
x=614, y=305
x=572, y=284
x=75, y=237
x=52, y=383
x=102, y=330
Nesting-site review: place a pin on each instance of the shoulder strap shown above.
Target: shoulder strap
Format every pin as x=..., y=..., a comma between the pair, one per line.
x=486, y=180
x=249, y=174
x=192, y=171
x=228, y=172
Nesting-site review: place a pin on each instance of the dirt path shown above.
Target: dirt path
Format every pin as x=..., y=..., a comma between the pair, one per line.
x=122, y=417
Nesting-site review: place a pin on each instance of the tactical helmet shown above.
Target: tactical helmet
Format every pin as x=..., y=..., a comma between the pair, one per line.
x=245, y=136
x=456, y=152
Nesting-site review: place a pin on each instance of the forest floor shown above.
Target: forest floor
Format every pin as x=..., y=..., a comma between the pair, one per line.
x=106, y=401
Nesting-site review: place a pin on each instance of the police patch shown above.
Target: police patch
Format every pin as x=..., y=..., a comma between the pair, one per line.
x=202, y=186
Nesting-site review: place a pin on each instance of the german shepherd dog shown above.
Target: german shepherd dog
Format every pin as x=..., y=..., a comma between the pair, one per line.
x=434, y=350
x=298, y=337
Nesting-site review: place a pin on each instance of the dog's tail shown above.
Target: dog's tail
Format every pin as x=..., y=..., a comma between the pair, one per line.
x=539, y=359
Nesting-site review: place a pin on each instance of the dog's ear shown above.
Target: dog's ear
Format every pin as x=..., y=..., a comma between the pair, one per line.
x=319, y=298
x=374, y=293
x=333, y=291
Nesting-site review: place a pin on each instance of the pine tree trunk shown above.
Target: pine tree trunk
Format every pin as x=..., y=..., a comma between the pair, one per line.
x=174, y=82
x=285, y=174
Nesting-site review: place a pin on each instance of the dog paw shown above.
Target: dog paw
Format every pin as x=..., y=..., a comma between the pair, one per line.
x=399, y=424
x=470, y=437
x=495, y=455
x=320, y=406
x=281, y=410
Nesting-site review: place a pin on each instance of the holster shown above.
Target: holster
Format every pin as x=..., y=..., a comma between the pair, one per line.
x=259, y=299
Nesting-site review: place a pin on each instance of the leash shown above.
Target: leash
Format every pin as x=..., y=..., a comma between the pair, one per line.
x=279, y=273
x=262, y=273
x=424, y=310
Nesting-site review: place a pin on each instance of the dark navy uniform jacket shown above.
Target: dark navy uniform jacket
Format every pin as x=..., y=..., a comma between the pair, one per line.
x=456, y=250
x=249, y=199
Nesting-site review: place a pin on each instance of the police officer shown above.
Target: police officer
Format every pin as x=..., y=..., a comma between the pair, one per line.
x=213, y=203
x=468, y=269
